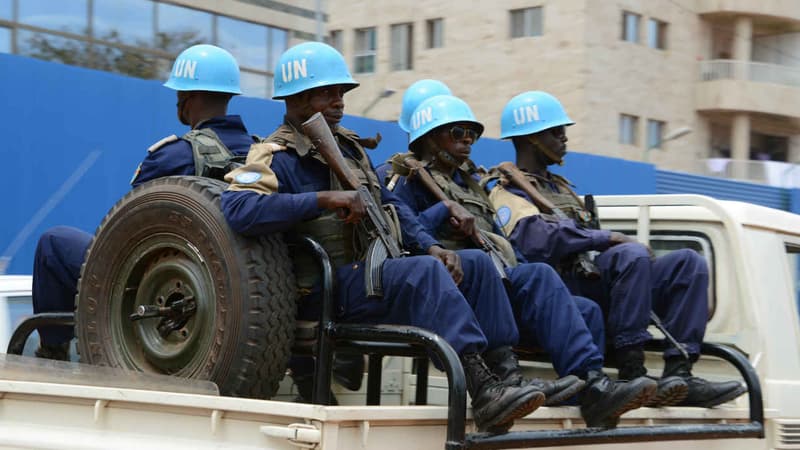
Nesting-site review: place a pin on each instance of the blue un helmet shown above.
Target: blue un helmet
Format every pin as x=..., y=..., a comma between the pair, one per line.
x=416, y=94
x=205, y=68
x=307, y=66
x=440, y=110
x=532, y=112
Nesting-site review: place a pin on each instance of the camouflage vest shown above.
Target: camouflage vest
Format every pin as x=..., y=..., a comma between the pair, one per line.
x=472, y=198
x=565, y=199
x=344, y=243
x=211, y=157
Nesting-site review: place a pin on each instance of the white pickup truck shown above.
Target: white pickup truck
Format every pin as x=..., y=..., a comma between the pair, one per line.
x=753, y=254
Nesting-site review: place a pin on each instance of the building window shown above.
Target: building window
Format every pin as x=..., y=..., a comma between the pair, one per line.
x=5, y=9
x=402, y=46
x=365, y=50
x=67, y=15
x=435, y=33
x=627, y=129
x=335, y=39
x=126, y=21
x=178, y=28
x=630, y=26
x=657, y=34
x=655, y=131
x=526, y=22
x=5, y=40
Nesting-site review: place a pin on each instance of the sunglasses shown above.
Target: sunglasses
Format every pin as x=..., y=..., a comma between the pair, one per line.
x=458, y=132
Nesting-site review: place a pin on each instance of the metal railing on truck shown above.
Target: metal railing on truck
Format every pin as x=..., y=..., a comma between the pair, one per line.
x=390, y=340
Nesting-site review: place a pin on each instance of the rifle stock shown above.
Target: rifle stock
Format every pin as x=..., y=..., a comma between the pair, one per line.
x=383, y=243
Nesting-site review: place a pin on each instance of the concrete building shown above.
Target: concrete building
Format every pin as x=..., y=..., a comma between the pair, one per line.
x=634, y=74
x=142, y=37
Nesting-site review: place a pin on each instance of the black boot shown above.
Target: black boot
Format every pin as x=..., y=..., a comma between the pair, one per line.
x=58, y=352
x=495, y=405
x=671, y=390
x=604, y=400
x=348, y=370
x=702, y=393
x=505, y=364
x=305, y=388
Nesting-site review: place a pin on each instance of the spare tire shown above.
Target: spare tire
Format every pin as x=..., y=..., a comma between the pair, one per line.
x=167, y=287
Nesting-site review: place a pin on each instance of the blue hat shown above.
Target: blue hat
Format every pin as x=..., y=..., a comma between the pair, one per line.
x=416, y=94
x=532, y=112
x=205, y=68
x=307, y=66
x=440, y=110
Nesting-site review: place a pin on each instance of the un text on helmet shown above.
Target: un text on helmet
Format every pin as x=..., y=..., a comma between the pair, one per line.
x=185, y=68
x=294, y=70
x=525, y=114
x=422, y=117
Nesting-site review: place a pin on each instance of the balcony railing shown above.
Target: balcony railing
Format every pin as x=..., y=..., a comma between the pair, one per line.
x=728, y=69
x=771, y=173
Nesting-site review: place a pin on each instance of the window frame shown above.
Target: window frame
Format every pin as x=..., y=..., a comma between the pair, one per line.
x=661, y=125
x=634, y=127
x=433, y=28
x=532, y=26
x=370, y=53
x=637, y=32
x=657, y=40
x=399, y=62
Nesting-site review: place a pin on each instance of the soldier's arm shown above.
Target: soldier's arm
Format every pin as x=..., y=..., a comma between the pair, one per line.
x=261, y=197
x=415, y=237
x=550, y=241
x=170, y=158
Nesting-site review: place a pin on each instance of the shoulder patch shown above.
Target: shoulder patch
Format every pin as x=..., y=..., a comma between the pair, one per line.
x=247, y=177
x=163, y=142
x=503, y=216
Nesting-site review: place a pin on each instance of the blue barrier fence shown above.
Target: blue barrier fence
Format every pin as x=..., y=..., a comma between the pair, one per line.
x=72, y=138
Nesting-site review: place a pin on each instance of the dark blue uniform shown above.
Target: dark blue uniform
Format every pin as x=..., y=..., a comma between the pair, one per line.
x=276, y=190
x=675, y=286
x=61, y=250
x=569, y=329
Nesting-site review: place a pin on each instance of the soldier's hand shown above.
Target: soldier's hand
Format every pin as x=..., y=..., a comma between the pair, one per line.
x=450, y=259
x=349, y=205
x=619, y=238
x=462, y=220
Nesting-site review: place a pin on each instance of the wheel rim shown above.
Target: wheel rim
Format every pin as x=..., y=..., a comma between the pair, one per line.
x=164, y=269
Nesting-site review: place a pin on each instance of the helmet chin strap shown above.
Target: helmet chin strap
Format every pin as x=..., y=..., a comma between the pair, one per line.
x=552, y=156
x=446, y=159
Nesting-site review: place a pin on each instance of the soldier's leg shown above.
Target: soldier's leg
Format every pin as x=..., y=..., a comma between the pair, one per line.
x=680, y=297
x=419, y=291
x=485, y=292
x=593, y=316
x=56, y=269
x=626, y=272
x=548, y=315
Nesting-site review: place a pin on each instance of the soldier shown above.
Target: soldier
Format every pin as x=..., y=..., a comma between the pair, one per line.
x=632, y=282
x=286, y=184
x=205, y=78
x=454, y=208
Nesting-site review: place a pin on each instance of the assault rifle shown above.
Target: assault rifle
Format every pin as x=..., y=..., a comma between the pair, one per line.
x=411, y=167
x=584, y=264
x=383, y=244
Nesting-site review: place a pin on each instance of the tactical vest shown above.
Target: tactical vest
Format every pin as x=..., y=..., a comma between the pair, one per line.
x=211, y=157
x=565, y=199
x=344, y=243
x=472, y=199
